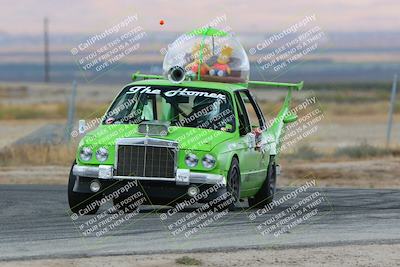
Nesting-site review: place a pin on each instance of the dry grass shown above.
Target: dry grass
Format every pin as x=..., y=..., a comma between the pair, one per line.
x=50, y=111
x=304, y=152
x=340, y=104
x=363, y=150
x=349, y=109
x=13, y=91
x=335, y=99
x=37, y=155
x=21, y=174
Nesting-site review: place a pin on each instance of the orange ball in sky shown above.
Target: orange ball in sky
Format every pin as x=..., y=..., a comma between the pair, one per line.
x=161, y=22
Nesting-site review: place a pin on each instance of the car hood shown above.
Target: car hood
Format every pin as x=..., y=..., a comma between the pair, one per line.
x=187, y=138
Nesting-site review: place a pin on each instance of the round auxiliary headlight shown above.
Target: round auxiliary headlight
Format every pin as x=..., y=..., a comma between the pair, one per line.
x=94, y=186
x=102, y=154
x=208, y=161
x=193, y=191
x=191, y=160
x=86, y=153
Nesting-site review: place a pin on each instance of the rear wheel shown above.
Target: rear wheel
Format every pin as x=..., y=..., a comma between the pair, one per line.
x=266, y=193
x=79, y=202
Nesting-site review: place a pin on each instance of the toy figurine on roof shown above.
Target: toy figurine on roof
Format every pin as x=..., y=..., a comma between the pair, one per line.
x=208, y=54
x=193, y=67
x=221, y=67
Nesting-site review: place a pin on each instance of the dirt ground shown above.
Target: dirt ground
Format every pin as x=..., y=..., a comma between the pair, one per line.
x=348, y=255
x=12, y=130
x=366, y=173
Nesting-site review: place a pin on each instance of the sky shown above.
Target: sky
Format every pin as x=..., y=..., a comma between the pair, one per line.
x=88, y=16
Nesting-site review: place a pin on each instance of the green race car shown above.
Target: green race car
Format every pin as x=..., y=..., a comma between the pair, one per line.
x=176, y=136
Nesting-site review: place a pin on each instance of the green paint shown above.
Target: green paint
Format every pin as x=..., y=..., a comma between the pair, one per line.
x=222, y=145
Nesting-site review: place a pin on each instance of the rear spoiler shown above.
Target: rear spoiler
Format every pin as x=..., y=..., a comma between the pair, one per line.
x=296, y=86
x=137, y=75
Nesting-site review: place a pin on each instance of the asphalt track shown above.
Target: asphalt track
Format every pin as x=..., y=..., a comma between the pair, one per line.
x=34, y=224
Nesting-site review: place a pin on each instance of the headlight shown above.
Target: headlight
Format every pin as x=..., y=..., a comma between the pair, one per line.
x=191, y=160
x=102, y=154
x=208, y=161
x=86, y=153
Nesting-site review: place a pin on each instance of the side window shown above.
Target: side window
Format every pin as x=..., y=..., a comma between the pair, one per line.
x=244, y=125
x=255, y=117
x=260, y=115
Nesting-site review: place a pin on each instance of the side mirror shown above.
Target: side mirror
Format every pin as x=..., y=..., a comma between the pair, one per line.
x=242, y=130
x=290, y=118
x=82, y=126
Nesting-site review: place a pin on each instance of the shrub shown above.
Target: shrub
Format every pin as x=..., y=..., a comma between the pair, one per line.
x=185, y=260
x=305, y=152
x=362, y=150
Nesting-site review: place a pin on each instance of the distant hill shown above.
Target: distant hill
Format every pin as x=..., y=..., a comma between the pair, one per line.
x=358, y=56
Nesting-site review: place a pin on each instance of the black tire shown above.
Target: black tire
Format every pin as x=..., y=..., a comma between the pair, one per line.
x=266, y=193
x=79, y=201
x=233, y=184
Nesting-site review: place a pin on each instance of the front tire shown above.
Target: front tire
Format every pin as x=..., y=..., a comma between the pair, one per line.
x=79, y=201
x=233, y=184
x=266, y=193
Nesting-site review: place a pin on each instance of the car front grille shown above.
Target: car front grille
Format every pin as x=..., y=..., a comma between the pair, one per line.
x=146, y=161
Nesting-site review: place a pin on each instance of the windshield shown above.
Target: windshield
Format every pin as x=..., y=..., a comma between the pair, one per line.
x=179, y=106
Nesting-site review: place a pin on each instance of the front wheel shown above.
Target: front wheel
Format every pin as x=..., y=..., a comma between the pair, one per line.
x=80, y=203
x=266, y=193
x=233, y=185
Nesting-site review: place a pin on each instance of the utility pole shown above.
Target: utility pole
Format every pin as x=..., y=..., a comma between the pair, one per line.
x=71, y=112
x=391, y=110
x=46, y=50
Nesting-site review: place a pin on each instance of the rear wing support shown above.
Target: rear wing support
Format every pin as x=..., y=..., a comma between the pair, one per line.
x=296, y=86
x=275, y=131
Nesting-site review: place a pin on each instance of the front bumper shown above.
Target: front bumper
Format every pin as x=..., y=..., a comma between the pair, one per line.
x=183, y=176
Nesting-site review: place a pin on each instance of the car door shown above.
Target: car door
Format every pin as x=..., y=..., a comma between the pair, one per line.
x=251, y=123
